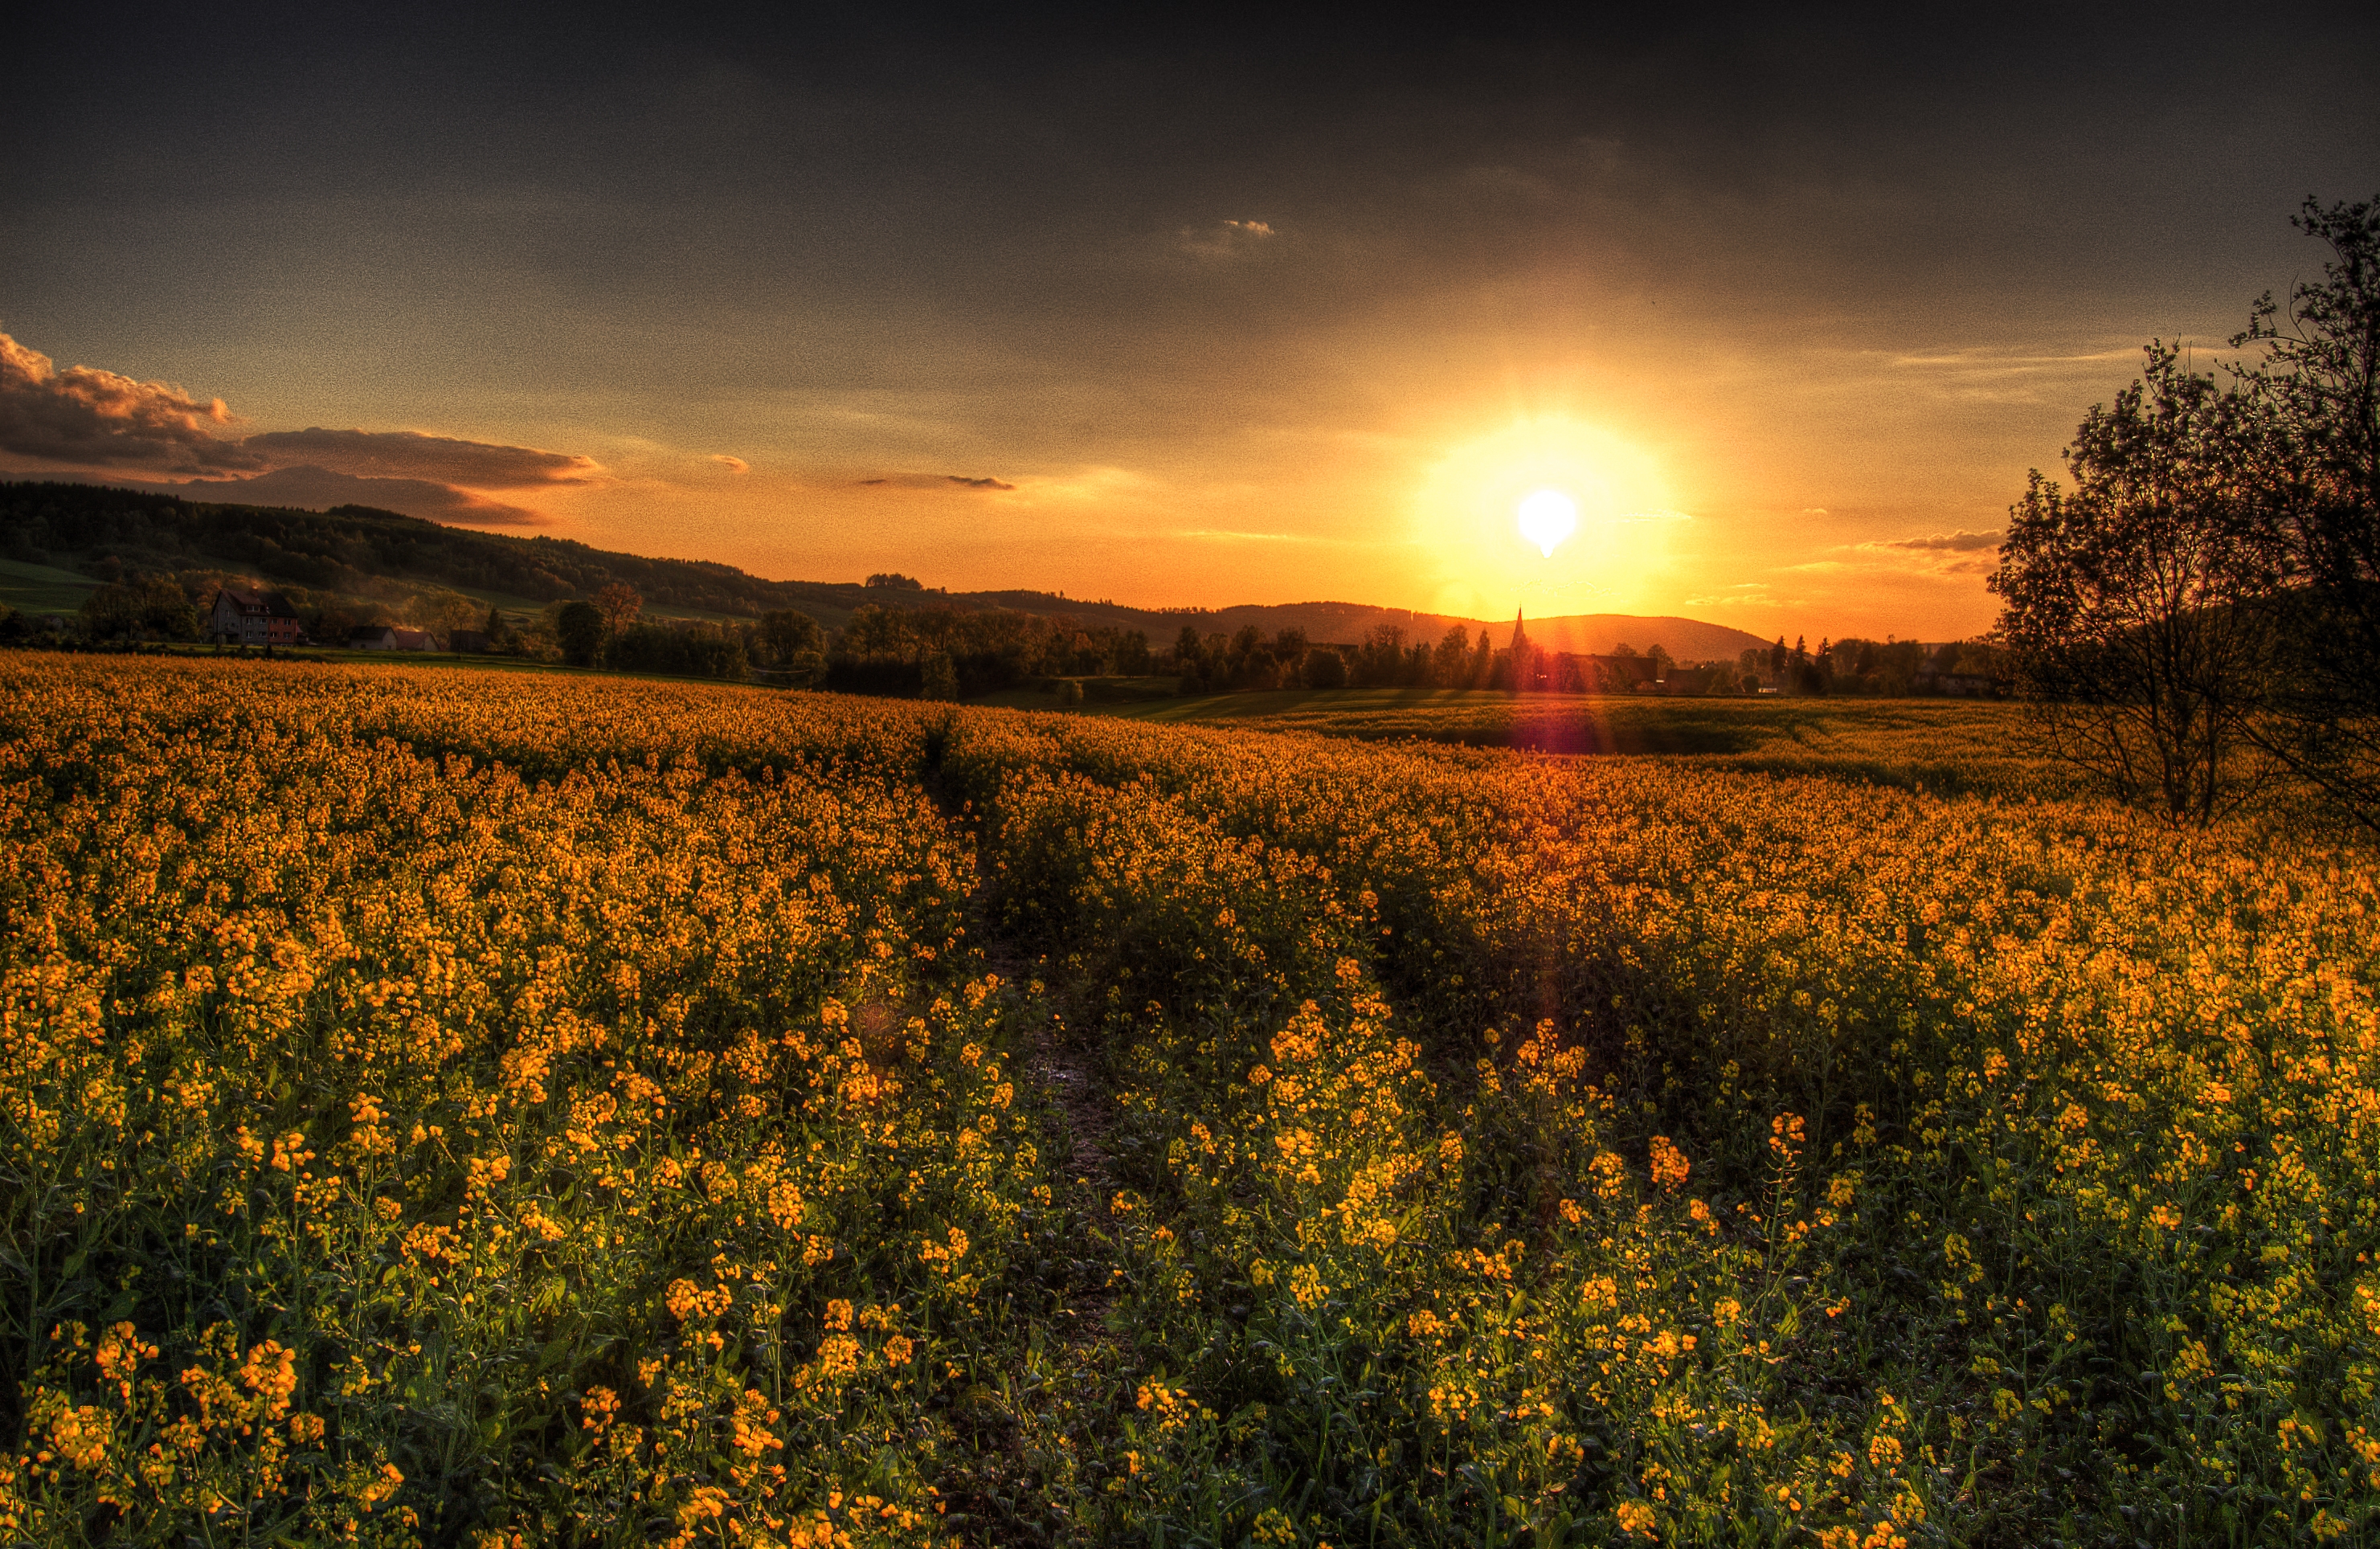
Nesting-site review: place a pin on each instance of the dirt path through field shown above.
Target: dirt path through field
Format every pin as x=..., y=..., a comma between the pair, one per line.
x=1071, y=1076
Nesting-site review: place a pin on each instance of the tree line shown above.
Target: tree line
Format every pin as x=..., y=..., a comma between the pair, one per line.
x=2194, y=614
x=949, y=651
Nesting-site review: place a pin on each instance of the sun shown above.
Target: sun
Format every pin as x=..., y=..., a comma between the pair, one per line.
x=1558, y=515
x=1547, y=517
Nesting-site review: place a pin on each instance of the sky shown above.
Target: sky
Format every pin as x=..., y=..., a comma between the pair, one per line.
x=1298, y=304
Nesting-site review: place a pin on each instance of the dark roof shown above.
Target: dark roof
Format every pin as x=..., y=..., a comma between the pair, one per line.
x=273, y=605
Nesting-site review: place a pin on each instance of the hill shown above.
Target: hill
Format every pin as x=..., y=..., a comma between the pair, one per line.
x=51, y=533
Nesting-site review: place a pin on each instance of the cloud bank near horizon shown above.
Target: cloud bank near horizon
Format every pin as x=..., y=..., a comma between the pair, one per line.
x=99, y=419
x=412, y=455
x=86, y=423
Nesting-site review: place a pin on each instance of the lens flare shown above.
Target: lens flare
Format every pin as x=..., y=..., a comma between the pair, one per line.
x=1547, y=517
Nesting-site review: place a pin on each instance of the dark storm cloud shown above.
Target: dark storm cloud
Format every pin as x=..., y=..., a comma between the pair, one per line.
x=99, y=418
x=1000, y=169
x=984, y=200
x=411, y=454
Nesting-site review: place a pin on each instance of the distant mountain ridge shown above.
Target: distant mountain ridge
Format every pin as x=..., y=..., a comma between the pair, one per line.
x=347, y=549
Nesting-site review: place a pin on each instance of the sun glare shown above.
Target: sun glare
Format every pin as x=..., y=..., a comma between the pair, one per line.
x=1592, y=506
x=1547, y=517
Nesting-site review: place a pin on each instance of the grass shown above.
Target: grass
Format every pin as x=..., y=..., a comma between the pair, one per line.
x=1938, y=744
x=38, y=588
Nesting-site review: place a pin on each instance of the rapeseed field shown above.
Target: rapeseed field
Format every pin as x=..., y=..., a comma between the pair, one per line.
x=462, y=1109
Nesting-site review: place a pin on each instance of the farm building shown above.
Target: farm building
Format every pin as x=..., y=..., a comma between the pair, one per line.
x=243, y=617
x=390, y=637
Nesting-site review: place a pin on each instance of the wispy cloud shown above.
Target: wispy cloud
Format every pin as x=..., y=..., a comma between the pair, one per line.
x=1987, y=359
x=934, y=481
x=1945, y=553
x=1946, y=542
x=1744, y=594
x=1228, y=240
x=733, y=465
x=1227, y=535
x=412, y=455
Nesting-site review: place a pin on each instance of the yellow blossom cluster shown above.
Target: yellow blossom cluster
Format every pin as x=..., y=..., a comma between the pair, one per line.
x=460, y=1107
x=429, y=1108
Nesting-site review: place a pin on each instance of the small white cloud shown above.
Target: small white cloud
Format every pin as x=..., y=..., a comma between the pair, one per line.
x=1228, y=240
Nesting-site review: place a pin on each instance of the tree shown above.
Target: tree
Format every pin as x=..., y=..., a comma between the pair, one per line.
x=1189, y=659
x=1289, y=648
x=784, y=635
x=499, y=632
x=1381, y=661
x=110, y=612
x=2134, y=603
x=1451, y=667
x=578, y=630
x=2319, y=387
x=792, y=645
x=146, y=606
x=620, y=605
x=1325, y=668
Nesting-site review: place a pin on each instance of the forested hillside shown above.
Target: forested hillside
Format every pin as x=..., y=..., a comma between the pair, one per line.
x=349, y=549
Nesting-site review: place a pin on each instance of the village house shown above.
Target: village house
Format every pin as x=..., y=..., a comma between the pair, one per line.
x=390, y=637
x=243, y=617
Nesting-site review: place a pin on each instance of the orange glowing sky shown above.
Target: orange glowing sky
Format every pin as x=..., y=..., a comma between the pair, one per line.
x=1788, y=302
